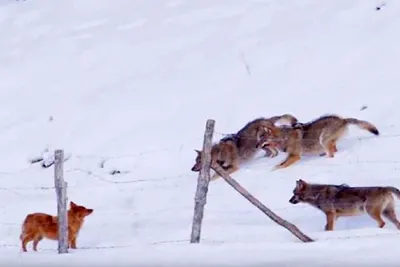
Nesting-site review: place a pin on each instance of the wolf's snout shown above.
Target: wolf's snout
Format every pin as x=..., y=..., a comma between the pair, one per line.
x=294, y=200
x=195, y=169
x=260, y=144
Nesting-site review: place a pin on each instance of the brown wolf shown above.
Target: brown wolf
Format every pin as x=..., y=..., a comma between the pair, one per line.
x=343, y=200
x=225, y=153
x=317, y=137
x=37, y=226
x=235, y=149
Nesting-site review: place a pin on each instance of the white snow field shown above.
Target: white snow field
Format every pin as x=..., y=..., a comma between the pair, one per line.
x=128, y=85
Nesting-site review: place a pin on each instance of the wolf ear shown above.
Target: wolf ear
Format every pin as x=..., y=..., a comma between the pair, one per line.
x=300, y=184
x=267, y=130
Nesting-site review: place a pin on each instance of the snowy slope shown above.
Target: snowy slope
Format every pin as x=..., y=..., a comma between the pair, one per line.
x=122, y=84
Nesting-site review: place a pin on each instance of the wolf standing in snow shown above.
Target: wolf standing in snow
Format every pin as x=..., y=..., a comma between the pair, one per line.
x=343, y=200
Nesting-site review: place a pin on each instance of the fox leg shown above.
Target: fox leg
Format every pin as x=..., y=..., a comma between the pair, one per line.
x=36, y=242
x=24, y=243
x=330, y=221
x=291, y=159
x=390, y=214
x=73, y=243
x=25, y=239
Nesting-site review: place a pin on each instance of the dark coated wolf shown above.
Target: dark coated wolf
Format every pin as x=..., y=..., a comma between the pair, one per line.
x=342, y=200
x=317, y=137
x=235, y=149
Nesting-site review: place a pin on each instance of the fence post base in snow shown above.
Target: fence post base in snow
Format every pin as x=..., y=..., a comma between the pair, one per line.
x=202, y=183
x=61, y=192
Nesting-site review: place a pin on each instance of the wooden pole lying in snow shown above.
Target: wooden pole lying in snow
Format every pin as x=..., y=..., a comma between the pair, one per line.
x=202, y=183
x=291, y=227
x=61, y=191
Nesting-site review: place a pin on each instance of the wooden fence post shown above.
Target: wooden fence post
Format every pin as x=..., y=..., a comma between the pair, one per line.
x=290, y=227
x=202, y=183
x=61, y=191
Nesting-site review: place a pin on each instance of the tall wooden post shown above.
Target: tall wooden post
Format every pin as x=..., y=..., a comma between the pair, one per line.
x=202, y=183
x=61, y=191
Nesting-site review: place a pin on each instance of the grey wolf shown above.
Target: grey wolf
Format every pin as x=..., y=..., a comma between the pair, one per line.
x=235, y=149
x=342, y=200
x=318, y=137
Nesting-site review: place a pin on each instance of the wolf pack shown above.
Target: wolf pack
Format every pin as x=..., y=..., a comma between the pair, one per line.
x=271, y=136
x=315, y=138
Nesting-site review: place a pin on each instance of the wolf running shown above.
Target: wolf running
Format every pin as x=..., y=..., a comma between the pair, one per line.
x=318, y=137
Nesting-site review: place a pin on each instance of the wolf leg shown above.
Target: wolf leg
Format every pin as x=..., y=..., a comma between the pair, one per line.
x=330, y=221
x=375, y=212
x=270, y=152
x=328, y=139
x=329, y=147
x=229, y=170
x=291, y=159
x=390, y=213
x=334, y=146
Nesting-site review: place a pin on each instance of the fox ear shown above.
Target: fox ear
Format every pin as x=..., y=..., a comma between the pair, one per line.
x=72, y=204
x=197, y=151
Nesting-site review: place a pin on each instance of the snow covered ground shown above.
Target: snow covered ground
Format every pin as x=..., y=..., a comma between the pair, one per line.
x=122, y=85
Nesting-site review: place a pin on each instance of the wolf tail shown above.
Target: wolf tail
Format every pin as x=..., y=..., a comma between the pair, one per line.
x=395, y=191
x=363, y=125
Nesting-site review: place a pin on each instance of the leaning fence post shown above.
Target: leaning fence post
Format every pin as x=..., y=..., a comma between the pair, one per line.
x=61, y=191
x=273, y=216
x=202, y=183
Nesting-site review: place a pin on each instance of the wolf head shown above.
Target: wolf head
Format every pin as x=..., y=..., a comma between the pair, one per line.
x=299, y=192
x=197, y=165
x=79, y=212
x=306, y=192
x=267, y=137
